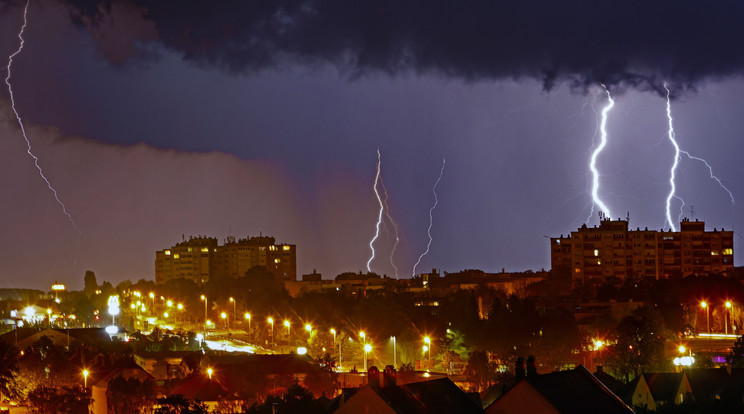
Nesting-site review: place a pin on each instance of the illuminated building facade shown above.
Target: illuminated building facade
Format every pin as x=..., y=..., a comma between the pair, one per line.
x=595, y=254
x=202, y=258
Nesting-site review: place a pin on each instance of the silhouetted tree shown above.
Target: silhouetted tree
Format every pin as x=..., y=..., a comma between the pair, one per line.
x=178, y=404
x=69, y=400
x=478, y=370
x=640, y=343
x=90, y=283
x=8, y=368
x=129, y=395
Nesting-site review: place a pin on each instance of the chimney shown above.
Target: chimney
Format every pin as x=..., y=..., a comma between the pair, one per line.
x=389, y=377
x=600, y=369
x=519, y=369
x=531, y=367
x=373, y=377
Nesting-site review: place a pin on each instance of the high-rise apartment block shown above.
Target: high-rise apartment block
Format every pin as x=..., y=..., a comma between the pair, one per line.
x=202, y=258
x=595, y=254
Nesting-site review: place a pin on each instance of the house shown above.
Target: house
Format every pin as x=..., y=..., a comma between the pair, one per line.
x=637, y=394
x=203, y=387
x=669, y=387
x=382, y=395
x=164, y=365
x=576, y=392
x=257, y=375
x=99, y=403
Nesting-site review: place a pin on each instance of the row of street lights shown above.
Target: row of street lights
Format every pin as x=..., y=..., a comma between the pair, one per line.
x=727, y=305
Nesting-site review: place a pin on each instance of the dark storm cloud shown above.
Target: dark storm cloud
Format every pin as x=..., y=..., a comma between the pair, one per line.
x=637, y=43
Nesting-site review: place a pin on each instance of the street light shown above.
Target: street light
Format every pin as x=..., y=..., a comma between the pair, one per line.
x=248, y=316
x=394, y=353
x=308, y=328
x=289, y=332
x=271, y=322
x=234, y=303
x=205, y=299
x=85, y=378
x=223, y=315
x=367, y=348
x=707, y=313
x=209, y=372
x=427, y=347
x=725, y=315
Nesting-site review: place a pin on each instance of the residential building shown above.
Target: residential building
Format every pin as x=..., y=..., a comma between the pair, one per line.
x=596, y=254
x=575, y=391
x=382, y=394
x=201, y=259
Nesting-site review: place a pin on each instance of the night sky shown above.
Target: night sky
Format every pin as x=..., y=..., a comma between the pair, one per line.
x=159, y=119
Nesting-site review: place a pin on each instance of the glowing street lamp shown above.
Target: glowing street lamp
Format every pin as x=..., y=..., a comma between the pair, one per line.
x=725, y=315
x=270, y=320
x=223, y=315
x=85, y=378
x=248, y=316
x=367, y=349
x=209, y=372
x=394, y=352
x=308, y=328
x=205, y=299
x=234, y=303
x=289, y=332
x=427, y=347
x=707, y=313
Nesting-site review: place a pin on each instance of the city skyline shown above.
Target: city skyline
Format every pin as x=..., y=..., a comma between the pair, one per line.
x=148, y=141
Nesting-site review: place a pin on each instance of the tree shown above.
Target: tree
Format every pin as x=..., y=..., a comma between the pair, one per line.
x=478, y=370
x=43, y=363
x=129, y=395
x=178, y=404
x=90, y=283
x=297, y=400
x=69, y=400
x=736, y=356
x=8, y=367
x=640, y=343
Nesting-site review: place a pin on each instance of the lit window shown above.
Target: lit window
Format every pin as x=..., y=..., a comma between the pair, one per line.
x=277, y=260
x=286, y=247
x=596, y=253
x=190, y=250
x=205, y=249
x=714, y=253
x=176, y=256
x=728, y=251
x=167, y=252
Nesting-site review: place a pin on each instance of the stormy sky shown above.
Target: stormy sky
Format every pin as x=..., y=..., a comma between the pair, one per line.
x=155, y=120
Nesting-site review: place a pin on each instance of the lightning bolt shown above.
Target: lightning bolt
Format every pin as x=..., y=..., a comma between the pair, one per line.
x=710, y=171
x=431, y=218
x=395, y=226
x=597, y=150
x=379, y=215
x=23, y=129
x=672, y=173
